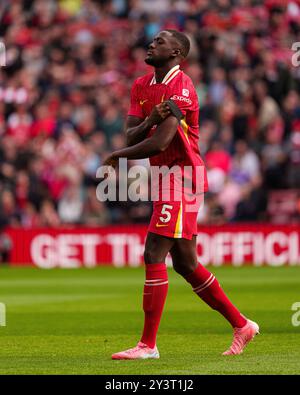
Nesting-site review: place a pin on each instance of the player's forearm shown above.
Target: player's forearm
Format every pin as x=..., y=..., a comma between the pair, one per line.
x=145, y=149
x=138, y=133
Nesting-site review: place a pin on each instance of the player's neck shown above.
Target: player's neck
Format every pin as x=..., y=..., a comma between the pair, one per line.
x=161, y=72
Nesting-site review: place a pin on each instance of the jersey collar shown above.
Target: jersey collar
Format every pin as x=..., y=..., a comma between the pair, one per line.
x=168, y=77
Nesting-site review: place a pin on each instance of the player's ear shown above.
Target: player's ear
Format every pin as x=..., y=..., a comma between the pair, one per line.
x=176, y=52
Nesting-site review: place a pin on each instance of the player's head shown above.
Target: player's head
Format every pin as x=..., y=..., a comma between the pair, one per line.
x=168, y=45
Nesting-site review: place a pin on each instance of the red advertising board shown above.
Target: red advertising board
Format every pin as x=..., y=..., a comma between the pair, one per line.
x=123, y=246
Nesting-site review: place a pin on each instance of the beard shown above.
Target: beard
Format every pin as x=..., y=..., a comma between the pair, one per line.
x=156, y=62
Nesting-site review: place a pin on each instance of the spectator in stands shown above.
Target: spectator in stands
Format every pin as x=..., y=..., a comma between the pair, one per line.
x=245, y=164
x=64, y=98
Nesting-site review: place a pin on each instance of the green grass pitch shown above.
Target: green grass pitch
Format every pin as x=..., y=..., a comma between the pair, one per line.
x=71, y=321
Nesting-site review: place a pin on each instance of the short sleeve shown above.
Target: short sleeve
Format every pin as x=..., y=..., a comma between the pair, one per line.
x=135, y=107
x=185, y=98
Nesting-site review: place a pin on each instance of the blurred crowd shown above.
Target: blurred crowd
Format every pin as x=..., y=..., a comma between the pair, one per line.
x=64, y=95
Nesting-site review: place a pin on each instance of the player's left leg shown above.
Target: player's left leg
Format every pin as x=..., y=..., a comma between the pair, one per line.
x=207, y=287
x=156, y=284
x=154, y=296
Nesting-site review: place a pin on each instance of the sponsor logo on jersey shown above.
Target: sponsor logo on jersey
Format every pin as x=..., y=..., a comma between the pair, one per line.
x=181, y=98
x=143, y=101
x=185, y=92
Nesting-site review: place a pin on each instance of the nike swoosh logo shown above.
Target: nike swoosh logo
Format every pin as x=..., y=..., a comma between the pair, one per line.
x=160, y=225
x=143, y=101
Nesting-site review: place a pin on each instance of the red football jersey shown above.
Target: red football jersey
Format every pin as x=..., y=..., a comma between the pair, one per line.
x=184, y=149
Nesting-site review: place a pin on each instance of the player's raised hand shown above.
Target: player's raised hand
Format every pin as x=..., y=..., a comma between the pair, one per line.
x=159, y=112
x=111, y=160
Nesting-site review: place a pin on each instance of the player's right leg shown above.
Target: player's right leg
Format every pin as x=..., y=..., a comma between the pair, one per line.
x=154, y=296
x=206, y=286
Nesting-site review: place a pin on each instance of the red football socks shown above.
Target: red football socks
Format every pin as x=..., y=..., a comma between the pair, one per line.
x=155, y=293
x=206, y=286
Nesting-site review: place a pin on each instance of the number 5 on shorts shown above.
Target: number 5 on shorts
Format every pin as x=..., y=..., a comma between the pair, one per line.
x=165, y=212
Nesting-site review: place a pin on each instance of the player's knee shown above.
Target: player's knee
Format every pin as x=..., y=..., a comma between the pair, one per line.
x=151, y=256
x=177, y=267
x=184, y=268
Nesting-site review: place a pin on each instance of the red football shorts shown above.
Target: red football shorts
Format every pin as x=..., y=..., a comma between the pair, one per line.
x=176, y=219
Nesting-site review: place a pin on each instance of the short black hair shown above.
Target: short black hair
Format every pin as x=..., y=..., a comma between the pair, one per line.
x=183, y=41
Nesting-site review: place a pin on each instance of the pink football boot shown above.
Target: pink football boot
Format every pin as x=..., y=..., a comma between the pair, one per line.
x=241, y=337
x=141, y=351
